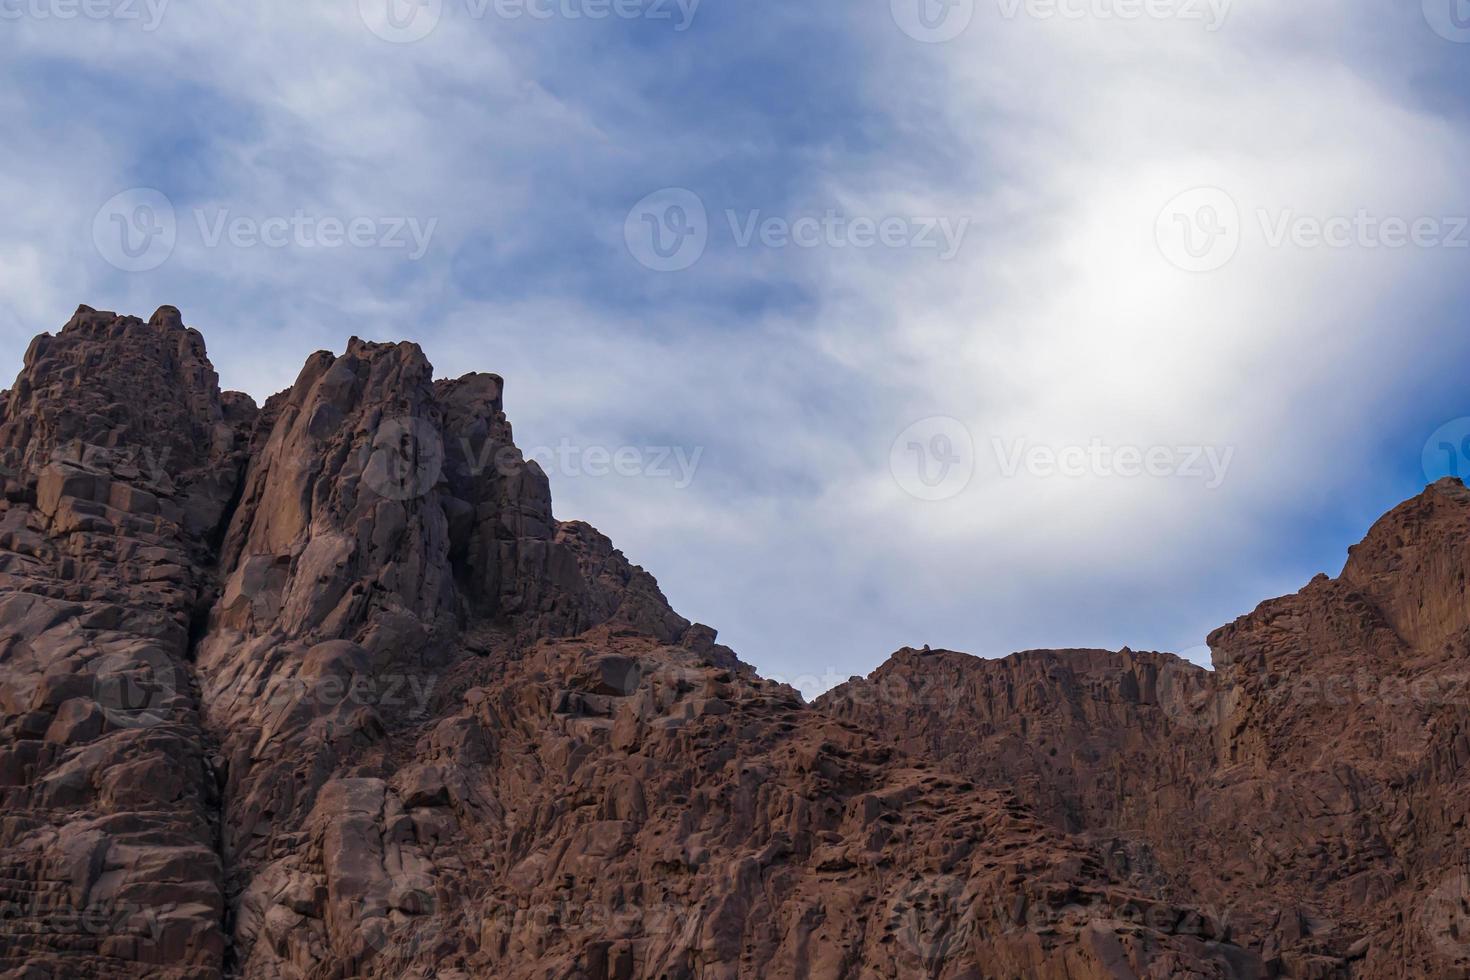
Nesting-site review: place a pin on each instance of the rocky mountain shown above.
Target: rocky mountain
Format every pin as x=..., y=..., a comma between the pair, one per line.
x=322, y=689
x=1310, y=793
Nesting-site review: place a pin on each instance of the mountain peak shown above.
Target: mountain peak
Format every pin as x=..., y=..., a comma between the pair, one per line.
x=323, y=688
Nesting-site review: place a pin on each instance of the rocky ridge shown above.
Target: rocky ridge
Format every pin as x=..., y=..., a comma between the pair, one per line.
x=321, y=688
x=1310, y=792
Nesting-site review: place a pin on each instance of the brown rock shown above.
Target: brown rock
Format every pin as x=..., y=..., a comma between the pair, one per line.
x=324, y=690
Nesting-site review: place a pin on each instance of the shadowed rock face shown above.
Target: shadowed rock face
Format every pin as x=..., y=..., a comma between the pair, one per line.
x=322, y=689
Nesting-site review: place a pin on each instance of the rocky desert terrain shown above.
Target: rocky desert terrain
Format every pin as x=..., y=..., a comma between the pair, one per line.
x=321, y=688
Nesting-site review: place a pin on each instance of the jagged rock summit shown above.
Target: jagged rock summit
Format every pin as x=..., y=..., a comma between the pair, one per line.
x=322, y=689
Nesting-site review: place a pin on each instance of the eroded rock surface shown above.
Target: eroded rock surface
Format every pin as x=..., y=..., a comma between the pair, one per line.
x=1311, y=792
x=121, y=456
x=322, y=689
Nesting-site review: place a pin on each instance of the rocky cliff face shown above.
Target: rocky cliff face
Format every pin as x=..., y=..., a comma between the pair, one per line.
x=120, y=454
x=1311, y=792
x=322, y=689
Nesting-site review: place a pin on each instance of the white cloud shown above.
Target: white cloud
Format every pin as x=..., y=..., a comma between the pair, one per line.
x=1059, y=322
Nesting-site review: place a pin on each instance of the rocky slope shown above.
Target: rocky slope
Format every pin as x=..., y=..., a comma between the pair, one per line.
x=322, y=689
x=1311, y=792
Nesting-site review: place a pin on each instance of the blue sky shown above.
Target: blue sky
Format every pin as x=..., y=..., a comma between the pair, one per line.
x=927, y=289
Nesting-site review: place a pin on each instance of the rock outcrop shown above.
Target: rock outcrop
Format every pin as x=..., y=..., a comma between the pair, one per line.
x=322, y=689
x=121, y=457
x=1311, y=792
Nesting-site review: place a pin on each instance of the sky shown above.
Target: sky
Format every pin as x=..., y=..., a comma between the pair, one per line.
x=985, y=324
